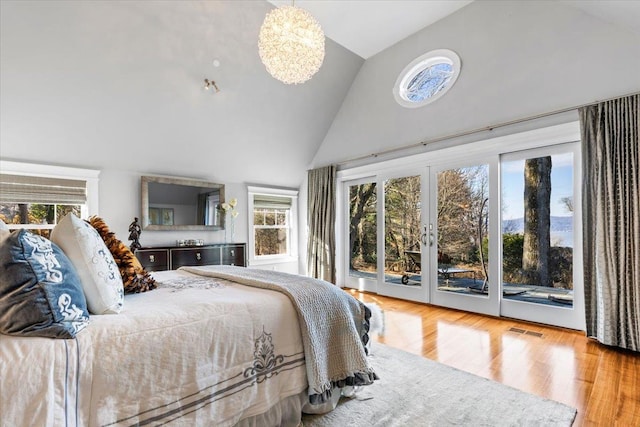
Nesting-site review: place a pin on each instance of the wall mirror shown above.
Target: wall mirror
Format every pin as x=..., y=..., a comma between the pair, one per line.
x=181, y=204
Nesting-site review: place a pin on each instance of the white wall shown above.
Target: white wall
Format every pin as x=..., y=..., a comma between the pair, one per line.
x=120, y=202
x=115, y=84
x=519, y=59
x=118, y=86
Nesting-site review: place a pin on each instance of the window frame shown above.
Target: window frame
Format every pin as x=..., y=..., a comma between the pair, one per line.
x=90, y=176
x=421, y=63
x=292, y=233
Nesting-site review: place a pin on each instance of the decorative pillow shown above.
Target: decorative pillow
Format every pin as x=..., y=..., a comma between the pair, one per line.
x=134, y=277
x=94, y=263
x=40, y=291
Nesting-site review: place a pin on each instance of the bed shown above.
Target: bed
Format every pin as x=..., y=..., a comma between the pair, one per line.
x=220, y=346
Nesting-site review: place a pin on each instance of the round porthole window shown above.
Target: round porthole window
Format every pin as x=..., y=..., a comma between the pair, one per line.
x=427, y=78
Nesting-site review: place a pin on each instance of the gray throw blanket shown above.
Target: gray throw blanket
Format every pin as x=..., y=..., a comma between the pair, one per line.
x=334, y=326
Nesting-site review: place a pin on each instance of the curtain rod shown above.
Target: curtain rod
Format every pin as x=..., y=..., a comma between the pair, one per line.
x=478, y=130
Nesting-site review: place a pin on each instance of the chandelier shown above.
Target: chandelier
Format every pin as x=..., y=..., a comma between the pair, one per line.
x=291, y=44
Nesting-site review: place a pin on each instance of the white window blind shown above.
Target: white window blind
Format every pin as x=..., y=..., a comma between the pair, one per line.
x=36, y=189
x=264, y=201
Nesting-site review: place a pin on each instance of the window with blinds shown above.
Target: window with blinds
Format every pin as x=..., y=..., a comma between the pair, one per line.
x=36, y=202
x=271, y=220
x=272, y=224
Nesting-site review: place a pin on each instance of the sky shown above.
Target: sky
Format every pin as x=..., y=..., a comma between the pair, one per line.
x=513, y=186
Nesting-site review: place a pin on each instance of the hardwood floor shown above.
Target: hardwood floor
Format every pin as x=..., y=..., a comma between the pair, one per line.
x=602, y=383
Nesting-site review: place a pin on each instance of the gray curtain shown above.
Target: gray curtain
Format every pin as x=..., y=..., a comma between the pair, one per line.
x=611, y=220
x=321, y=219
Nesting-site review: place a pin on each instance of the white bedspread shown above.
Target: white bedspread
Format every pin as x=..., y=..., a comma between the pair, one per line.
x=245, y=355
x=43, y=381
x=333, y=325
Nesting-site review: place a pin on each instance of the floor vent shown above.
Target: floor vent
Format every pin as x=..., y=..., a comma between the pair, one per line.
x=524, y=331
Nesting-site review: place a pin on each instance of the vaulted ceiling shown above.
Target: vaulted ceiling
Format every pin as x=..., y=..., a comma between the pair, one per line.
x=368, y=27
x=119, y=85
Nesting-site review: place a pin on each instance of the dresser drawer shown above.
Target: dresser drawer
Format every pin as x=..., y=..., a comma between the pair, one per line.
x=194, y=256
x=153, y=259
x=233, y=255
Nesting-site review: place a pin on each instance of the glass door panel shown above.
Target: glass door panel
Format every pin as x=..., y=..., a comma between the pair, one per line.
x=538, y=235
x=404, y=254
x=460, y=217
x=362, y=267
x=463, y=230
x=402, y=224
x=537, y=230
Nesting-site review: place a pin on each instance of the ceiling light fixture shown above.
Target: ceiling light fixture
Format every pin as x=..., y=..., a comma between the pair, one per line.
x=209, y=84
x=291, y=44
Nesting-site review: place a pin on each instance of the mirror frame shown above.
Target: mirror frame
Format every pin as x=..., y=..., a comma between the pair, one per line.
x=145, y=180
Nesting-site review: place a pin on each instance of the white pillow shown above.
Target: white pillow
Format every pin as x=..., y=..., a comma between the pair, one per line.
x=99, y=274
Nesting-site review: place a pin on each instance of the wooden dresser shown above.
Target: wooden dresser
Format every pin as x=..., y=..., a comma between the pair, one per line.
x=159, y=258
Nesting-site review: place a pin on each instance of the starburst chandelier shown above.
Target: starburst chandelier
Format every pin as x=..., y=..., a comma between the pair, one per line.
x=291, y=44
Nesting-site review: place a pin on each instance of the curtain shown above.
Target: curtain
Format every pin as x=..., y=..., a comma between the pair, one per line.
x=611, y=220
x=321, y=218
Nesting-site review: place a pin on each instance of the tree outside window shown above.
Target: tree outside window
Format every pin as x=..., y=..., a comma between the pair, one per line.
x=271, y=231
x=35, y=217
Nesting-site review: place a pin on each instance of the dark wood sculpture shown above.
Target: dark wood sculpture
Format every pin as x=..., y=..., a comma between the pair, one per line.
x=134, y=234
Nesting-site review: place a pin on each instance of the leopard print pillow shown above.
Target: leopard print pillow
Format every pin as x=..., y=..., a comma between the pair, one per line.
x=134, y=277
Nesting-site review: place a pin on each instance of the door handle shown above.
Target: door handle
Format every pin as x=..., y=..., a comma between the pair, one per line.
x=424, y=236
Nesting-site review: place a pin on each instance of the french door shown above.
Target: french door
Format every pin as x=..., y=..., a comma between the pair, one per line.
x=505, y=230
x=493, y=233
x=422, y=236
x=384, y=235
x=463, y=226
x=403, y=260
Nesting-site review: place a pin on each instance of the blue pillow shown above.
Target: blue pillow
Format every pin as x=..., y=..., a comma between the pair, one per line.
x=40, y=292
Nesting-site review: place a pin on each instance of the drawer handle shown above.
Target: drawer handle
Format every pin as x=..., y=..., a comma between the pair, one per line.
x=233, y=252
x=198, y=256
x=152, y=258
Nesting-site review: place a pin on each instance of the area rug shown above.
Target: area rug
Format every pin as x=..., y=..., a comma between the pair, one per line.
x=414, y=391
